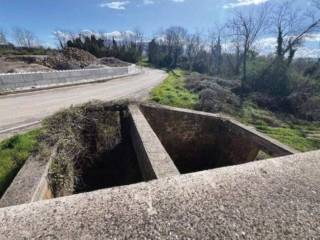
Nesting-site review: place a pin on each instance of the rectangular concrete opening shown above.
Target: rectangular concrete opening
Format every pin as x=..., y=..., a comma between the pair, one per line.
x=197, y=142
x=113, y=168
x=104, y=156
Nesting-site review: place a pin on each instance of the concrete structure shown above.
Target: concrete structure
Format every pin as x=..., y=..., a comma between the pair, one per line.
x=23, y=81
x=276, y=198
x=153, y=159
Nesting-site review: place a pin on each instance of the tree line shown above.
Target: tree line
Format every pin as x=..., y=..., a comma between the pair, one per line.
x=129, y=48
x=231, y=50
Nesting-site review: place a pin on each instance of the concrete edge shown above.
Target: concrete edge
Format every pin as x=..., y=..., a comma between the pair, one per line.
x=43, y=190
x=30, y=184
x=153, y=159
x=137, y=211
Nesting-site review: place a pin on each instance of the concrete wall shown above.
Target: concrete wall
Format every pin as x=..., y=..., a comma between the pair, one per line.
x=33, y=80
x=198, y=141
x=30, y=184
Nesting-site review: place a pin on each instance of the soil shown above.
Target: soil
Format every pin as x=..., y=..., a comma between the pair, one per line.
x=67, y=59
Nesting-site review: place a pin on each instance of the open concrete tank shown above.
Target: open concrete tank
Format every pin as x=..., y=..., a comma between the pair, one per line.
x=105, y=145
x=138, y=171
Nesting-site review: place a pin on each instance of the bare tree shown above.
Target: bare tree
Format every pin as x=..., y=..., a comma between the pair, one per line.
x=193, y=47
x=3, y=38
x=24, y=37
x=175, y=39
x=215, y=42
x=138, y=35
x=245, y=28
x=62, y=37
x=290, y=30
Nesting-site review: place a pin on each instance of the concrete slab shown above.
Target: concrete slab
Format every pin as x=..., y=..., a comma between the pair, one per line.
x=271, y=199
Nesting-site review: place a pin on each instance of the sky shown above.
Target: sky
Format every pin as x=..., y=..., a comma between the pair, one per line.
x=43, y=17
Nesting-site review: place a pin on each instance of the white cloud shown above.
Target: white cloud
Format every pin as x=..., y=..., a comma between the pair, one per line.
x=313, y=37
x=241, y=3
x=148, y=2
x=117, y=35
x=268, y=46
x=178, y=1
x=305, y=52
x=117, y=5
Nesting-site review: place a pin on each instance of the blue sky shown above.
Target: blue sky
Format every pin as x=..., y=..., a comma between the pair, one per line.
x=45, y=16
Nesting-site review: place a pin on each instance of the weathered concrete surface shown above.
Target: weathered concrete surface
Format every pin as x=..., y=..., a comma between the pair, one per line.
x=199, y=141
x=153, y=159
x=27, y=108
x=18, y=81
x=30, y=184
x=271, y=199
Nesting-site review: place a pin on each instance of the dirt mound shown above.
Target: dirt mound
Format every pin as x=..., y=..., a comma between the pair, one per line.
x=215, y=94
x=10, y=65
x=70, y=58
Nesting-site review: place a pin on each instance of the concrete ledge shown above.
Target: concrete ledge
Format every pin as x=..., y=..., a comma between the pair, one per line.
x=30, y=184
x=153, y=159
x=271, y=199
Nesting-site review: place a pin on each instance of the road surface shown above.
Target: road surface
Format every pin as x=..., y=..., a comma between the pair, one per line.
x=22, y=111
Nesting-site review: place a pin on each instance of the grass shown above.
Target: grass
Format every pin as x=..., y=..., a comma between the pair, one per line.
x=173, y=93
x=13, y=153
x=144, y=63
x=300, y=135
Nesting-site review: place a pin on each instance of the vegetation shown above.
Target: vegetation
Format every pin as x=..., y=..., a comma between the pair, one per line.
x=129, y=50
x=299, y=134
x=13, y=153
x=82, y=134
x=284, y=83
x=10, y=49
x=172, y=92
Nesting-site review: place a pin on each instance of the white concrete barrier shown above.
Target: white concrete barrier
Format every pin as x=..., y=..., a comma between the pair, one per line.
x=20, y=81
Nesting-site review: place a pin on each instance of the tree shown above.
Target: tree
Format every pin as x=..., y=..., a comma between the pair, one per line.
x=291, y=31
x=24, y=38
x=193, y=47
x=3, y=38
x=153, y=52
x=62, y=37
x=175, y=39
x=215, y=60
x=245, y=28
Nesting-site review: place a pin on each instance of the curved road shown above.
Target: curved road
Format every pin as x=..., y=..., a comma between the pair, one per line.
x=25, y=110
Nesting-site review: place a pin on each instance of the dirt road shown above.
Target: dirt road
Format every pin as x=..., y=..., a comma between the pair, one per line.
x=25, y=110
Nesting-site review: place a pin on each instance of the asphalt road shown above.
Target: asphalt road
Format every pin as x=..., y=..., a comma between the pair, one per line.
x=22, y=111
